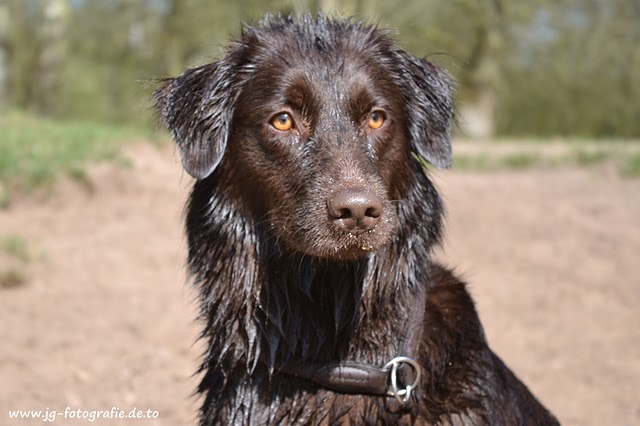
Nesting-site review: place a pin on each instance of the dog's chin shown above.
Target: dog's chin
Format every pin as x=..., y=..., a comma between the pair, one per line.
x=344, y=247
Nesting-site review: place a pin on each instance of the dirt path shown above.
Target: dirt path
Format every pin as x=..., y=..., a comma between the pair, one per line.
x=106, y=318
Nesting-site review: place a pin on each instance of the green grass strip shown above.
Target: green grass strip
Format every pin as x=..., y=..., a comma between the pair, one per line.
x=35, y=151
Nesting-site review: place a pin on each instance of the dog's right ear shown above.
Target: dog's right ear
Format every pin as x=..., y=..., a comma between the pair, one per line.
x=198, y=108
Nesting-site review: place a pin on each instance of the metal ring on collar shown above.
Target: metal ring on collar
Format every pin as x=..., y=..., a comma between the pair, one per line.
x=402, y=395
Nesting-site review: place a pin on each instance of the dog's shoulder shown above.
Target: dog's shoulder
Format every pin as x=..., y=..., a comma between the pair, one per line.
x=449, y=303
x=464, y=373
x=453, y=340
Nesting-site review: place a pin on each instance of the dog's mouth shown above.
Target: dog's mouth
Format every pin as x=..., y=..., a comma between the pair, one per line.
x=344, y=238
x=356, y=244
x=342, y=246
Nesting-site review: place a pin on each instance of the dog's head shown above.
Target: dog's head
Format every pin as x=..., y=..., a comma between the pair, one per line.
x=315, y=123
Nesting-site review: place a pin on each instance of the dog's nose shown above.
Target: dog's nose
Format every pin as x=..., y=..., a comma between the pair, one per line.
x=355, y=209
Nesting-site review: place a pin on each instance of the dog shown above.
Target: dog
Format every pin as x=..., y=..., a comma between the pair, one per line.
x=310, y=229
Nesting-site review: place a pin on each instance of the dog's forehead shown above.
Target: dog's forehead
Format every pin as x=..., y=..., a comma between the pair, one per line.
x=318, y=47
x=330, y=68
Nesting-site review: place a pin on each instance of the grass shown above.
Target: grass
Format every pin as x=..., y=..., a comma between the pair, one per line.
x=36, y=151
x=12, y=277
x=624, y=154
x=488, y=162
x=15, y=255
x=631, y=166
x=520, y=160
x=589, y=158
x=15, y=246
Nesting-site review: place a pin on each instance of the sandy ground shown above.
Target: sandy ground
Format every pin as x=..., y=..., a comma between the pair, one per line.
x=106, y=319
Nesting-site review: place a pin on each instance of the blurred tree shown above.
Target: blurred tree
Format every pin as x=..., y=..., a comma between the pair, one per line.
x=22, y=48
x=4, y=47
x=573, y=71
x=32, y=40
x=545, y=67
x=52, y=42
x=549, y=67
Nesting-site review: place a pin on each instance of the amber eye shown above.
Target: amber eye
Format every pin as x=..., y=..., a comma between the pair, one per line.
x=376, y=119
x=282, y=122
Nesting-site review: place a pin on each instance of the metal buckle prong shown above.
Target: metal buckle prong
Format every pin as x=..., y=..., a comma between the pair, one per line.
x=402, y=395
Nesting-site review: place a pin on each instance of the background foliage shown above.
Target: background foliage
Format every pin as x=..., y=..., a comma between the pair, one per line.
x=535, y=68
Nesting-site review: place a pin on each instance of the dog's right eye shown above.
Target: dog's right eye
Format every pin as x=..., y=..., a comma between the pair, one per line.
x=282, y=122
x=376, y=119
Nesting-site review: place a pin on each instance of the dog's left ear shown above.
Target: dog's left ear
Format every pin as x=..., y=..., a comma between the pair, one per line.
x=198, y=108
x=428, y=91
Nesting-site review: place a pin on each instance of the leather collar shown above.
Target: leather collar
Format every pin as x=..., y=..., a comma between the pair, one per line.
x=397, y=378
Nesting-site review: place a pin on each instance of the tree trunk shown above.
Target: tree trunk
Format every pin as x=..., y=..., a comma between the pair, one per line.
x=478, y=114
x=4, y=53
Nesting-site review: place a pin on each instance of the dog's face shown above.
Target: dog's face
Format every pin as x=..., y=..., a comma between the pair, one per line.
x=314, y=124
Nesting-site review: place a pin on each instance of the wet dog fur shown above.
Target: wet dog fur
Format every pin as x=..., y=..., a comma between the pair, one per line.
x=311, y=224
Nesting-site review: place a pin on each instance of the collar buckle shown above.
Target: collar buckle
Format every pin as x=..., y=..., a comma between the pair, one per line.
x=402, y=395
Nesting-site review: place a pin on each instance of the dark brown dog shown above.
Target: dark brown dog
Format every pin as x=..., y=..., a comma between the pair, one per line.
x=310, y=229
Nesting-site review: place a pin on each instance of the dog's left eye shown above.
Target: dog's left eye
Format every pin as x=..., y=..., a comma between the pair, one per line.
x=376, y=119
x=282, y=122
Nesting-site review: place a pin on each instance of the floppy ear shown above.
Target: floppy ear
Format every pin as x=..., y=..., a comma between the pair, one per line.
x=198, y=107
x=429, y=108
